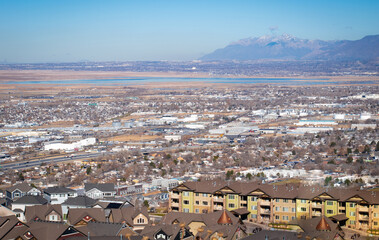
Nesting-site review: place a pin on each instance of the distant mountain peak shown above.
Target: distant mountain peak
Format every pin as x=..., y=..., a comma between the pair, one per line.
x=287, y=46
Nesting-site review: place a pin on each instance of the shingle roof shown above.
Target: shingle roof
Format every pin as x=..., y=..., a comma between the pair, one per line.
x=41, y=211
x=52, y=190
x=7, y=223
x=80, y=201
x=101, y=228
x=127, y=214
x=77, y=214
x=104, y=187
x=23, y=187
x=31, y=200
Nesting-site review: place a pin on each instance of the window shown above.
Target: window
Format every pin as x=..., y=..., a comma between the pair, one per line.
x=277, y=200
x=254, y=199
x=231, y=196
x=376, y=206
x=277, y=209
x=303, y=209
x=285, y=218
x=140, y=220
x=330, y=203
x=303, y=201
x=375, y=223
x=293, y=201
x=253, y=207
x=205, y=203
x=205, y=194
x=293, y=209
x=352, y=222
x=186, y=210
x=254, y=216
x=231, y=205
x=277, y=217
x=329, y=211
x=197, y=202
x=352, y=214
x=52, y=218
x=376, y=215
x=197, y=194
x=285, y=200
x=292, y=218
x=186, y=194
x=352, y=205
x=186, y=202
x=285, y=209
x=197, y=210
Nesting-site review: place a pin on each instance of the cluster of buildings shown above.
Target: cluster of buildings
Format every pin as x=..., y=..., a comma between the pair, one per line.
x=278, y=204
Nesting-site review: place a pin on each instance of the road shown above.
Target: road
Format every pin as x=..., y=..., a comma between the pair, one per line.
x=38, y=162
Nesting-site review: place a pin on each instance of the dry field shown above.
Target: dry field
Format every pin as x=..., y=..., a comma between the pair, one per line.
x=132, y=138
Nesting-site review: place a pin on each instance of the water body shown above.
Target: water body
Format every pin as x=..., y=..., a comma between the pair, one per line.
x=131, y=81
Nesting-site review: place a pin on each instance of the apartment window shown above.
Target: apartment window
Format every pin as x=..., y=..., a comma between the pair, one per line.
x=329, y=211
x=303, y=201
x=303, y=209
x=285, y=209
x=231, y=205
x=254, y=199
x=352, y=214
x=277, y=217
x=254, y=207
x=196, y=194
x=375, y=223
x=352, y=205
x=205, y=203
x=231, y=196
x=293, y=201
x=186, y=194
x=197, y=210
x=186, y=202
x=186, y=210
x=293, y=209
x=376, y=206
x=352, y=222
x=376, y=215
x=330, y=203
x=197, y=202
x=205, y=195
x=277, y=200
x=277, y=209
x=285, y=200
x=285, y=218
x=254, y=216
x=292, y=218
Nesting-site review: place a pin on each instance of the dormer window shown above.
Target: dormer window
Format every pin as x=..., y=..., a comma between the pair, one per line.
x=140, y=220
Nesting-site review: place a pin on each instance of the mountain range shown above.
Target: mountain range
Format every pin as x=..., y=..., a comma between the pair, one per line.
x=287, y=47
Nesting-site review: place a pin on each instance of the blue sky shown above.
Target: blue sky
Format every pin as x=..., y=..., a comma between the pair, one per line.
x=118, y=30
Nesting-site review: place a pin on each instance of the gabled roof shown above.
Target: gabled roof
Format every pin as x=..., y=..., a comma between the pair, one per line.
x=44, y=230
x=41, y=211
x=28, y=199
x=127, y=214
x=75, y=215
x=170, y=230
x=101, y=228
x=7, y=224
x=52, y=190
x=104, y=187
x=23, y=187
x=83, y=201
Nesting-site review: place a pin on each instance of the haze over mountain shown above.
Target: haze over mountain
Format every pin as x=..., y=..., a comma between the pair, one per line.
x=287, y=47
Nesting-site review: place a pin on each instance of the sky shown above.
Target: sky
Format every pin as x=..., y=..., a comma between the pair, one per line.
x=33, y=31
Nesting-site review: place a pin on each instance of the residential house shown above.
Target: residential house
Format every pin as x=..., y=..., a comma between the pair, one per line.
x=98, y=191
x=57, y=195
x=20, y=204
x=77, y=202
x=46, y=212
x=81, y=216
x=135, y=217
x=22, y=189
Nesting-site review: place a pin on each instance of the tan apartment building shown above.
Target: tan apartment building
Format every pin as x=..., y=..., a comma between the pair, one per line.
x=278, y=204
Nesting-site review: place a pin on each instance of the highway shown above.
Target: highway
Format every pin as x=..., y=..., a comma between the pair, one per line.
x=38, y=162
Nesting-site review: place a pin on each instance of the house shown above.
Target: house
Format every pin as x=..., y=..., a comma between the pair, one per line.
x=82, y=216
x=77, y=202
x=57, y=195
x=167, y=232
x=20, y=190
x=46, y=212
x=106, y=229
x=20, y=204
x=135, y=217
x=98, y=191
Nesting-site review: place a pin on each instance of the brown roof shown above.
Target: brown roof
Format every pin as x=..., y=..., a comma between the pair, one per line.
x=41, y=211
x=323, y=225
x=224, y=218
x=75, y=215
x=23, y=187
x=7, y=224
x=127, y=214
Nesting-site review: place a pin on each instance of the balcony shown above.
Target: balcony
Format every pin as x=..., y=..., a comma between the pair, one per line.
x=174, y=204
x=316, y=213
x=316, y=205
x=218, y=207
x=265, y=212
x=265, y=203
x=363, y=209
x=363, y=217
x=218, y=199
x=175, y=195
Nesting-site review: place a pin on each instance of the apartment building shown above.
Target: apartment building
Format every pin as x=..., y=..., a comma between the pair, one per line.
x=284, y=204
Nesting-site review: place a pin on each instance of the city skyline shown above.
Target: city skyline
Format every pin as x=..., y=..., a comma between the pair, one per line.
x=44, y=31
